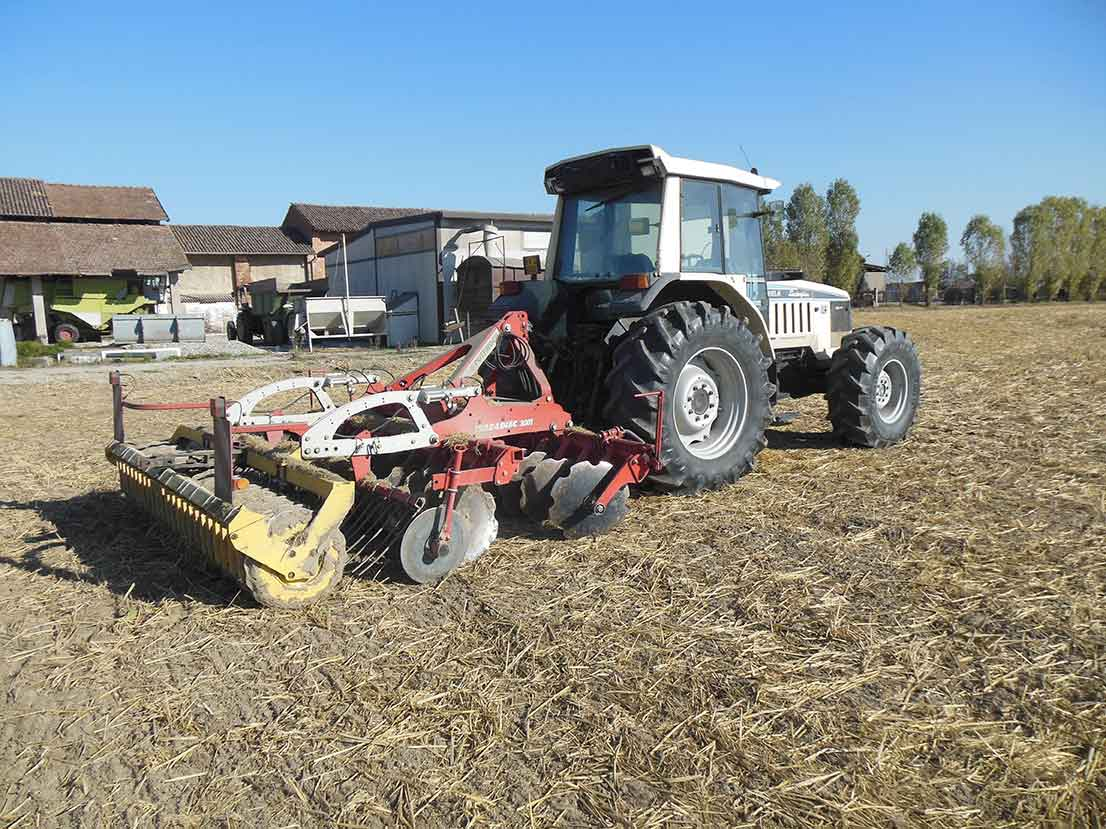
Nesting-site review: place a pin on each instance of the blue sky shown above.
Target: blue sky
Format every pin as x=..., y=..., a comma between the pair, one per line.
x=233, y=110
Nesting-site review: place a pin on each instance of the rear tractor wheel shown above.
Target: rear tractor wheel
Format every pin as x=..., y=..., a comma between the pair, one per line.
x=875, y=383
x=717, y=396
x=242, y=329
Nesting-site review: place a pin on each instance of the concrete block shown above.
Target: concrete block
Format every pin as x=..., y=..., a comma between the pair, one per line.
x=79, y=357
x=145, y=353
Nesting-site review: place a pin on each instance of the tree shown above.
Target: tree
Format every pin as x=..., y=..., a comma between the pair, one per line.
x=779, y=252
x=985, y=248
x=1096, y=272
x=931, y=243
x=806, y=230
x=1073, y=240
x=903, y=263
x=844, y=263
x=1026, y=247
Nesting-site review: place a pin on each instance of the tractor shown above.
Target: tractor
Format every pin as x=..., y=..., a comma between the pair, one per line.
x=654, y=355
x=658, y=306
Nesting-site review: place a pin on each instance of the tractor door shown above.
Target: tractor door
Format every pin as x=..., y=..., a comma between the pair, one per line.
x=744, y=251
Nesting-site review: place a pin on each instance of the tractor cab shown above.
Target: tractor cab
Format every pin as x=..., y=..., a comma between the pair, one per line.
x=635, y=224
x=640, y=219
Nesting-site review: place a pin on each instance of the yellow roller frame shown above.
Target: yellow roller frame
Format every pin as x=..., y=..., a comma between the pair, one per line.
x=224, y=533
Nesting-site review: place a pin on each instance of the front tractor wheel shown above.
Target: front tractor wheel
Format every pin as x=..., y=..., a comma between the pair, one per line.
x=717, y=397
x=874, y=385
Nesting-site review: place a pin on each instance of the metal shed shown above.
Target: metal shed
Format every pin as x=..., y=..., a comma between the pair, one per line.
x=429, y=254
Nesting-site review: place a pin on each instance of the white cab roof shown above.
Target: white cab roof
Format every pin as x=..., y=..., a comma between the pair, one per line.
x=676, y=166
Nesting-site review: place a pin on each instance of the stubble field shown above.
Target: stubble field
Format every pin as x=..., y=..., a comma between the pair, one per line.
x=913, y=636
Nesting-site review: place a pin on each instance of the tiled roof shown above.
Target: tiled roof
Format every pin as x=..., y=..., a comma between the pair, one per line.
x=83, y=201
x=23, y=197
x=33, y=198
x=41, y=248
x=237, y=239
x=332, y=218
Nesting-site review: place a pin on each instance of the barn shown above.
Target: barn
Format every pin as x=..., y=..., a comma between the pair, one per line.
x=223, y=259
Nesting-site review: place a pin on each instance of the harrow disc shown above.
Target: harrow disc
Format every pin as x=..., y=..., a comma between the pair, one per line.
x=477, y=507
x=572, y=509
x=509, y=495
x=537, y=484
x=417, y=559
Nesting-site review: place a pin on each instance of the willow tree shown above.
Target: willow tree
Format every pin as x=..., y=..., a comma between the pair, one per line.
x=985, y=249
x=806, y=230
x=779, y=252
x=1096, y=272
x=1027, y=251
x=903, y=263
x=844, y=263
x=931, y=243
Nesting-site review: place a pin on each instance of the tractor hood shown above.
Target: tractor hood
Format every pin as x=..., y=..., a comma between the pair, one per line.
x=802, y=289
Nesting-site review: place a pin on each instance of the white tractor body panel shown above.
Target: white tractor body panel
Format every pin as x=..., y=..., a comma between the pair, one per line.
x=800, y=315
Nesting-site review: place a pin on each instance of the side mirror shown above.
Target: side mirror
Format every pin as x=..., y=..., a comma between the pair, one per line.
x=639, y=227
x=776, y=208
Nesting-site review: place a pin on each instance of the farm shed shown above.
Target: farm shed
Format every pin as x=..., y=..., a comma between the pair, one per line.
x=429, y=253
x=872, y=288
x=321, y=225
x=914, y=292
x=223, y=259
x=89, y=249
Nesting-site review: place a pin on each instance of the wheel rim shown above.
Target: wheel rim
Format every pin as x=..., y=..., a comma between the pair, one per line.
x=711, y=402
x=892, y=391
x=64, y=334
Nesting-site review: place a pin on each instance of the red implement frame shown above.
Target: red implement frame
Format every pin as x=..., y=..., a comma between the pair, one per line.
x=483, y=443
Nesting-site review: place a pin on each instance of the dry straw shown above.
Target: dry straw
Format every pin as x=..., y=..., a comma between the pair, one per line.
x=850, y=638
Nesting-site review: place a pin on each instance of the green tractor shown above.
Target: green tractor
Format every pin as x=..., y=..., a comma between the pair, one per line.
x=269, y=311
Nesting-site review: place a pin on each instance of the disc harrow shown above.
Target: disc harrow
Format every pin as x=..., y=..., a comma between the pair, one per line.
x=286, y=502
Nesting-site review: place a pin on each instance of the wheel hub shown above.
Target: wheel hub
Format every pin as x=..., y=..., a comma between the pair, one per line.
x=710, y=402
x=697, y=403
x=891, y=391
x=883, y=389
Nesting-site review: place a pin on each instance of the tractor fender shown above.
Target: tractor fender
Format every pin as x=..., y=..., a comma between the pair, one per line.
x=533, y=297
x=667, y=288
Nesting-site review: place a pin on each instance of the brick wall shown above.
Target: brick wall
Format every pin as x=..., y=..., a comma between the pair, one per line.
x=242, y=275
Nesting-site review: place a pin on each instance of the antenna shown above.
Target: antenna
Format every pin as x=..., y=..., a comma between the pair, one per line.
x=748, y=163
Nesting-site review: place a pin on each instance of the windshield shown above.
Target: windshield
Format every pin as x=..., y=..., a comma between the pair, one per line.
x=608, y=234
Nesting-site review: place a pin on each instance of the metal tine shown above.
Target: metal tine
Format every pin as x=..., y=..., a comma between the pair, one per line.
x=374, y=553
x=367, y=510
x=374, y=549
x=372, y=523
x=363, y=517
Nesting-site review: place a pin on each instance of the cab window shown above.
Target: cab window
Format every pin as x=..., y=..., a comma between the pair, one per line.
x=744, y=254
x=700, y=227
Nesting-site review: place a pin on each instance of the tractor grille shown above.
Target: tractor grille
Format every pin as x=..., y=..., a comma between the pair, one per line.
x=841, y=316
x=790, y=319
